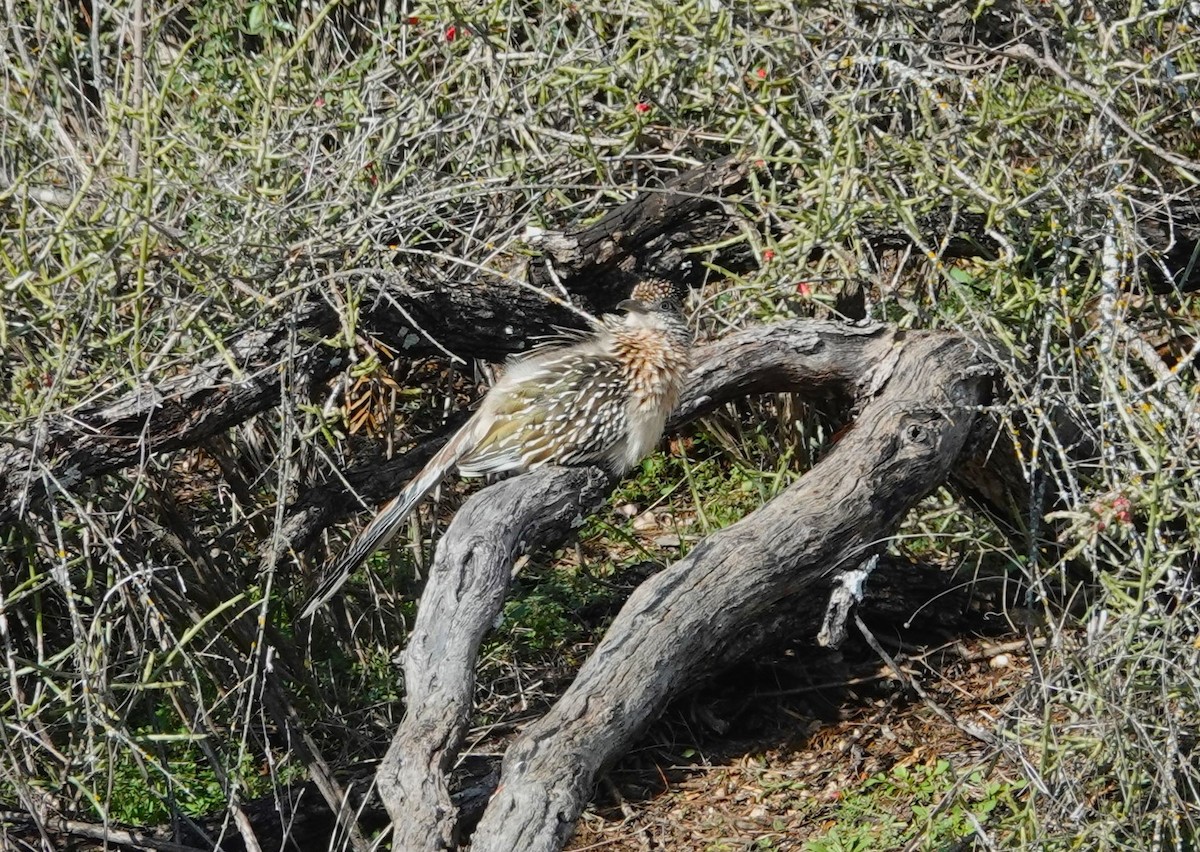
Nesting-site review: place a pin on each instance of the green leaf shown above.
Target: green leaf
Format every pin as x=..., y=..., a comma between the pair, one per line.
x=256, y=19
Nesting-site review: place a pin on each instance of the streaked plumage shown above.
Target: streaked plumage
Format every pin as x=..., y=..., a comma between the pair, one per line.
x=600, y=400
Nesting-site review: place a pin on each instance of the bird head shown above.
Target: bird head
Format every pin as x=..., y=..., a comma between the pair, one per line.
x=656, y=303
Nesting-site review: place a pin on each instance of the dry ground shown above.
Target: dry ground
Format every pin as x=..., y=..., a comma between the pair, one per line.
x=792, y=755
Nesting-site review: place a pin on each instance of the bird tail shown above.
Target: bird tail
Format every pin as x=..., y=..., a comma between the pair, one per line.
x=385, y=524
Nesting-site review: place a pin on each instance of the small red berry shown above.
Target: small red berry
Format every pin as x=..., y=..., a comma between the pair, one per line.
x=413, y=20
x=769, y=255
x=642, y=106
x=451, y=32
x=762, y=73
x=804, y=288
x=319, y=102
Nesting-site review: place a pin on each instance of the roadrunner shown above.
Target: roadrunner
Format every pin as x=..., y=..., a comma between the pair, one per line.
x=602, y=398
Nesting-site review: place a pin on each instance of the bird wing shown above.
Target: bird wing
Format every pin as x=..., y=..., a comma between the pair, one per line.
x=562, y=337
x=562, y=409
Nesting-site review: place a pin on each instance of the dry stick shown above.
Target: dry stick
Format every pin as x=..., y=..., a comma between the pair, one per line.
x=122, y=837
x=367, y=484
x=179, y=412
x=283, y=710
x=967, y=728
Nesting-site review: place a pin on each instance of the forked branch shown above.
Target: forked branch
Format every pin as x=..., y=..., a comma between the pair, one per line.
x=919, y=394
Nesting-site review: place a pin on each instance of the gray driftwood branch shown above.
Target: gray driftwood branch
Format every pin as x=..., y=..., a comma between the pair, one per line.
x=918, y=394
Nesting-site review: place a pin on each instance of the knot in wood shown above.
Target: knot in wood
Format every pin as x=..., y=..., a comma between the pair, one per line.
x=915, y=433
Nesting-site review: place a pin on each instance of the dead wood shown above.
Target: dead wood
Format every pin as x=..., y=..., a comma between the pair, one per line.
x=693, y=615
x=725, y=600
x=498, y=316
x=183, y=411
x=654, y=234
x=467, y=587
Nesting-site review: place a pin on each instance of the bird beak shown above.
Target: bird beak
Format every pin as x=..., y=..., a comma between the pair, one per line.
x=630, y=305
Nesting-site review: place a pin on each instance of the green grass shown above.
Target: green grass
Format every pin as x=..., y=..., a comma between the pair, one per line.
x=559, y=607
x=925, y=803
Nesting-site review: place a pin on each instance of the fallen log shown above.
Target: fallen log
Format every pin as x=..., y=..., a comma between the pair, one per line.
x=918, y=393
x=495, y=314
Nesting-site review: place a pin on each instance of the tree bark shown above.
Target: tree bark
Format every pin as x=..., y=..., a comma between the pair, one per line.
x=469, y=582
x=694, y=615
x=729, y=597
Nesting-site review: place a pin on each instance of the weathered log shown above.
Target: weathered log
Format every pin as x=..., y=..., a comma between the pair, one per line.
x=468, y=582
x=693, y=615
x=919, y=391
x=469, y=578
x=182, y=411
x=652, y=235
x=498, y=315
